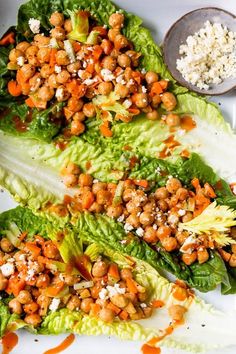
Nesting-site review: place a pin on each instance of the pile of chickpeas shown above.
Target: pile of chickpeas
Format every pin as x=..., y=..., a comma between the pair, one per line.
x=32, y=299
x=155, y=217
x=49, y=81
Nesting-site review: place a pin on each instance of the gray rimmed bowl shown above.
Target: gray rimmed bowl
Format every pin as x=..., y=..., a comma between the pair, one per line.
x=187, y=25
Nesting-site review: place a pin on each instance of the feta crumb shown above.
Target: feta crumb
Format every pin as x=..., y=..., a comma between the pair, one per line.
x=90, y=81
x=120, y=80
x=121, y=218
x=34, y=25
x=20, y=61
x=59, y=93
x=7, y=269
x=128, y=227
x=208, y=56
x=140, y=231
x=181, y=212
x=107, y=75
x=57, y=69
x=154, y=226
x=127, y=103
x=30, y=274
x=114, y=290
x=144, y=90
x=61, y=277
x=103, y=294
x=54, y=304
x=143, y=305
x=143, y=71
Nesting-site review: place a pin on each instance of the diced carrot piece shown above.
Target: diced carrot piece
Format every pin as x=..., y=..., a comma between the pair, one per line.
x=114, y=308
x=29, y=102
x=68, y=113
x=14, y=88
x=156, y=89
x=164, y=84
x=90, y=68
x=105, y=130
x=209, y=190
x=87, y=200
x=141, y=182
x=15, y=285
x=131, y=285
x=76, y=46
x=157, y=304
x=20, y=78
x=102, y=30
x=123, y=315
x=76, y=89
x=52, y=60
x=55, y=289
x=113, y=271
x=97, y=52
x=195, y=183
x=9, y=38
x=32, y=248
x=136, y=76
x=94, y=309
x=148, y=349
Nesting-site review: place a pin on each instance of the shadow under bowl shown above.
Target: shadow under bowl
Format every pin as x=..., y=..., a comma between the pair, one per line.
x=187, y=25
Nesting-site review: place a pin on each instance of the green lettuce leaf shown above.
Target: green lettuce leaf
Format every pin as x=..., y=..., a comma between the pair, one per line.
x=8, y=320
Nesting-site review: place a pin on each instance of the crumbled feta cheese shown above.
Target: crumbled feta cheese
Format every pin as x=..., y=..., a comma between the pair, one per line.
x=121, y=218
x=120, y=80
x=20, y=61
x=185, y=248
x=127, y=103
x=90, y=81
x=209, y=56
x=154, y=226
x=128, y=227
x=34, y=25
x=11, y=260
x=22, y=257
x=61, y=277
x=57, y=69
x=107, y=75
x=30, y=274
x=7, y=269
x=143, y=71
x=114, y=290
x=140, y=231
x=144, y=90
x=181, y=212
x=54, y=304
x=80, y=73
x=59, y=93
x=103, y=294
x=143, y=305
x=84, y=64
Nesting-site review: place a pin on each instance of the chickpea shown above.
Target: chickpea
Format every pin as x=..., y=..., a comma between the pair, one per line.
x=120, y=300
x=146, y=218
x=189, y=258
x=6, y=245
x=233, y=248
x=132, y=207
x=37, y=267
x=181, y=236
x=103, y=197
x=109, y=63
x=43, y=302
x=27, y=71
x=96, y=208
x=162, y=205
x=140, y=100
x=62, y=58
x=41, y=40
x=133, y=220
x=232, y=261
x=127, y=194
x=187, y=217
x=73, y=67
x=153, y=115
x=121, y=90
x=113, y=33
x=74, y=303
x=79, y=116
x=14, y=54
x=169, y=101
x=104, y=88
x=58, y=33
x=35, y=82
x=70, y=279
x=31, y=308
x=182, y=194
x=173, y=184
x=43, y=55
x=106, y=315
x=31, y=51
x=139, y=198
x=63, y=77
x=43, y=281
x=15, y=306
x=163, y=231
x=46, y=71
x=156, y=100
x=71, y=168
x=124, y=60
x=98, y=186
x=150, y=206
x=134, y=57
x=150, y=235
x=99, y=269
x=116, y=20
x=172, y=120
x=169, y=243
x=23, y=46
x=202, y=256
x=107, y=46
x=56, y=19
x=86, y=304
x=62, y=94
x=161, y=193
x=68, y=25
x=120, y=42
x=50, y=250
x=77, y=127
x=85, y=180
x=126, y=273
x=33, y=319
x=24, y=297
x=176, y=312
x=114, y=211
x=52, y=81
x=89, y=110
x=151, y=77
x=45, y=93
x=3, y=282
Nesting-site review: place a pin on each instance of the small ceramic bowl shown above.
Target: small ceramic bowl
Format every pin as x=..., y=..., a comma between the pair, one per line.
x=187, y=25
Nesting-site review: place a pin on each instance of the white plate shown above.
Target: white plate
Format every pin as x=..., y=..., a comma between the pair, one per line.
x=158, y=16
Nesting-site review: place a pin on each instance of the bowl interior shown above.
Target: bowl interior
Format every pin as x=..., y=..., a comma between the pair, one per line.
x=187, y=25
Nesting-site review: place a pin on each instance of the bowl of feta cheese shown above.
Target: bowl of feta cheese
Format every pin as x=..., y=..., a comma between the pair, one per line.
x=200, y=51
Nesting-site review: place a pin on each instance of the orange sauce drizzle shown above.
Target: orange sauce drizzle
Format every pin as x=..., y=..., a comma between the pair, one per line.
x=61, y=347
x=147, y=349
x=9, y=341
x=170, y=144
x=187, y=123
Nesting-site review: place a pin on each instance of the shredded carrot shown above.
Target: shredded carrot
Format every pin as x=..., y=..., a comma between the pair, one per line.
x=209, y=190
x=131, y=285
x=20, y=78
x=76, y=89
x=52, y=60
x=97, y=52
x=156, y=89
x=123, y=315
x=113, y=271
x=195, y=183
x=29, y=102
x=23, y=236
x=114, y=308
x=141, y=183
x=136, y=76
x=105, y=130
x=14, y=88
x=9, y=38
x=87, y=200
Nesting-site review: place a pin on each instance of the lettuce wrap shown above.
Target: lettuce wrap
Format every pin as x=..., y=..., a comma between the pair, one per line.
x=201, y=319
